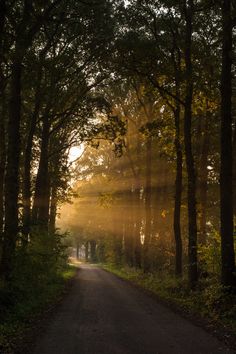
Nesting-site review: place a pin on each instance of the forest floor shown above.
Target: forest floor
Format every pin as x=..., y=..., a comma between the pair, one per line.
x=102, y=313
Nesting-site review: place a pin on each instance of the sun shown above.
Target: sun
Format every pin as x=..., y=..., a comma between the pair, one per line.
x=75, y=152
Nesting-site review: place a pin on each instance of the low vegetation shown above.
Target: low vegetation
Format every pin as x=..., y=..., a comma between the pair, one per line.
x=40, y=276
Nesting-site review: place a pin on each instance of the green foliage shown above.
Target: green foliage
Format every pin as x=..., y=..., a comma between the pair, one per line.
x=218, y=302
x=209, y=254
x=101, y=254
x=39, y=262
x=40, y=272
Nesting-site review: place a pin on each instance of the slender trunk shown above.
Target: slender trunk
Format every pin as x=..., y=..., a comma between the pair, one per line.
x=136, y=205
x=93, y=250
x=234, y=171
x=86, y=251
x=118, y=248
x=117, y=232
x=179, y=163
x=27, y=162
x=2, y=169
x=178, y=195
x=226, y=169
x=40, y=212
x=12, y=171
x=53, y=210
x=191, y=193
x=148, y=221
x=203, y=178
x=2, y=121
x=2, y=25
x=138, y=216
x=137, y=220
x=128, y=244
x=133, y=224
x=130, y=229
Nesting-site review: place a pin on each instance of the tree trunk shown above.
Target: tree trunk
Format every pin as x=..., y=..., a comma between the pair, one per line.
x=40, y=212
x=86, y=251
x=2, y=168
x=136, y=206
x=234, y=171
x=27, y=162
x=53, y=210
x=78, y=251
x=226, y=169
x=178, y=195
x=191, y=193
x=2, y=25
x=12, y=170
x=118, y=248
x=138, y=215
x=137, y=220
x=2, y=121
x=93, y=255
x=128, y=242
x=148, y=219
x=203, y=179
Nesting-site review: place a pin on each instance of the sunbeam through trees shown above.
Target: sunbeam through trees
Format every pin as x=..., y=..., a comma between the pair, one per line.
x=117, y=143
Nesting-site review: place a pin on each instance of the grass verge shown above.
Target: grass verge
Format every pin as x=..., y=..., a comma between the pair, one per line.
x=20, y=311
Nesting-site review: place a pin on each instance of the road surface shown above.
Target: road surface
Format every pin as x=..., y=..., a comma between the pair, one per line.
x=103, y=314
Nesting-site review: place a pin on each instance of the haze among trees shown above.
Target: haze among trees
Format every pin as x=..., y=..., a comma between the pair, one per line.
x=167, y=201
x=147, y=90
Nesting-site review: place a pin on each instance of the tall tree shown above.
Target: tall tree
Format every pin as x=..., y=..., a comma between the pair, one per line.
x=26, y=28
x=192, y=213
x=2, y=115
x=226, y=169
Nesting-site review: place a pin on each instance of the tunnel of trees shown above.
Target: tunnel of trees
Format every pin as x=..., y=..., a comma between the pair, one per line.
x=146, y=91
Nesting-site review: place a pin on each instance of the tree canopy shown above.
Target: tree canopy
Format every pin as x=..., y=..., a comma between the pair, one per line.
x=146, y=91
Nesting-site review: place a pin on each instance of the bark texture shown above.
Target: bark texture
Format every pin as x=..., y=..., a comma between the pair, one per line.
x=148, y=214
x=178, y=195
x=226, y=169
x=191, y=192
x=40, y=212
x=12, y=170
x=27, y=161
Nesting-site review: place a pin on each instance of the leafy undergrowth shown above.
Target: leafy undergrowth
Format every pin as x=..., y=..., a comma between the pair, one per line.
x=208, y=302
x=23, y=302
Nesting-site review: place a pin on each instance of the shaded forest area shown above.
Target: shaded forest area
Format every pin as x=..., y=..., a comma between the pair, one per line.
x=147, y=90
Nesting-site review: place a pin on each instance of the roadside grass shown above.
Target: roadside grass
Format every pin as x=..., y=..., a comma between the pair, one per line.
x=209, y=302
x=22, y=306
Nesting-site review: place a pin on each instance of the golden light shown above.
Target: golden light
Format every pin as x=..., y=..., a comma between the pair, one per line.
x=75, y=152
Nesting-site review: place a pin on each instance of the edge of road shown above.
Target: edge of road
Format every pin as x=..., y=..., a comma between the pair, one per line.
x=225, y=335
x=39, y=322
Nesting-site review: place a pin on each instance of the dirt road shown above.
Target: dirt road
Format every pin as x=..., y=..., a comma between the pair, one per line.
x=103, y=314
